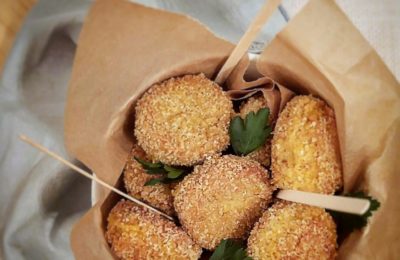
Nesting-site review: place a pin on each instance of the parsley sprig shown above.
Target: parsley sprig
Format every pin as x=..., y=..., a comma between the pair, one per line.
x=348, y=222
x=229, y=249
x=251, y=133
x=169, y=173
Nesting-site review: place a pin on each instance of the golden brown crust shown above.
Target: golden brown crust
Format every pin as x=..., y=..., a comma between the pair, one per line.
x=253, y=104
x=262, y=154
x=183, y=120
x=137, y=233
x=305, y=148
x=222, y=199
x=135, y=177
x=293, y=231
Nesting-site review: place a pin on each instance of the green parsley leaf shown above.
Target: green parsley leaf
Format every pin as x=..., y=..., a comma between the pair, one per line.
x=348, y=222
x=148, y=165
x=229, y=249
x=175, y=173
x=249, y=134
x=153, y=182
x=155, y=171
x=169, y=173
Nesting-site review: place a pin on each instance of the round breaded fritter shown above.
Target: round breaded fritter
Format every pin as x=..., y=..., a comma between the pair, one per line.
x=253, y=104
x=222, y=199
x=138, y=233
x=305, y=148
x=183, y=120
x=135, y=177
x=293, y=231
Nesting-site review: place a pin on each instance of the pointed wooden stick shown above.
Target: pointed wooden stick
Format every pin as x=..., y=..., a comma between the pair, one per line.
x=244, y=43
x=337, y=203
x=88, y=175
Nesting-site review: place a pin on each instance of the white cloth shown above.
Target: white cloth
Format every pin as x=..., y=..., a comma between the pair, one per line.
x=39, y=198
x=377, y=20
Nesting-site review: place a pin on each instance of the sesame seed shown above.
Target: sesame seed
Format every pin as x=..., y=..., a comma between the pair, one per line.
x=135, y=177
x=293, y=231
x=138, y=233
x=306, y=156
x=183, y=120
x=222, y=199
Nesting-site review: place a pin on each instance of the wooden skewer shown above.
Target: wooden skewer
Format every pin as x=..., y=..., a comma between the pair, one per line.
x=88, y=175
x=244, y=43
x=337, y=203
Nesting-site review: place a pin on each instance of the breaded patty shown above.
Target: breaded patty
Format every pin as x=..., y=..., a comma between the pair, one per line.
x=253, y=104
x=137, y=233
x=293, y=231
x=183, y=120
x=135, y=177
x=305, y=148
x=222, y=199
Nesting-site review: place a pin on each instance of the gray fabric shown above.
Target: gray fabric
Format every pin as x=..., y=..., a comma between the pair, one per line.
x=39, y=198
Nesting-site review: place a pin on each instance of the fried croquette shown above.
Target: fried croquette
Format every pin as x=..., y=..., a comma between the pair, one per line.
x=181, y=121
x=293, y=231
x=138, y=233
x=135, y=177
x=222, y=199
x=262, y=154
x=252, y=104
x=305, y=149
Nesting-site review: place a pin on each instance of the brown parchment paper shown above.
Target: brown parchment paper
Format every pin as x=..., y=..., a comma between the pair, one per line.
x=244, y=82
x=321, y=52
x=124, y=48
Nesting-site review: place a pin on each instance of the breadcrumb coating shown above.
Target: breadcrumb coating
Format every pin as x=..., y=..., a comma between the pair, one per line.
x=137, y=233
x=222, y=199
x=253, y=104
x=293, y=231
x=181, y=121
x=135, y=177
x=305, y=148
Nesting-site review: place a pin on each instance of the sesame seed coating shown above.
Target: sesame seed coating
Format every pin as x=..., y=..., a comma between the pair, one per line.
x=293, y=231
x=137, y=233
x=222, y=199
x=253, y=104
x=305, y=149
x=135, y=177
x=183, y=120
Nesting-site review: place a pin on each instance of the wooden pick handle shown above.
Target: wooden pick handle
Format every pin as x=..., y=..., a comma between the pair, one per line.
x=244, y=43
x=89, y=176
x=337, y=203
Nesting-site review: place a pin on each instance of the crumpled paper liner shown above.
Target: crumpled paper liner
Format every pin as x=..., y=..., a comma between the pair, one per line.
x=321, y=52
x=241, y=87
x=124, y=48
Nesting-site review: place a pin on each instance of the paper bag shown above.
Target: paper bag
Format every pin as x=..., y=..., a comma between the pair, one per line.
x=124, y=48
x=321, y=52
